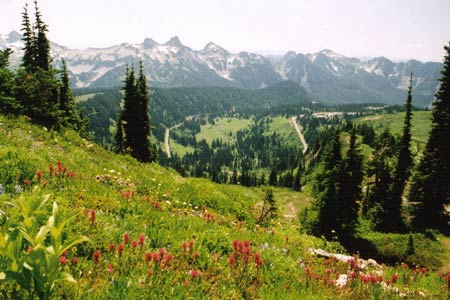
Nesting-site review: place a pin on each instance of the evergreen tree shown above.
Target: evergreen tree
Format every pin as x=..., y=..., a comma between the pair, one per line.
x=392, y=215
x=28, y=37
x=351, y=187
x=118, y=137
x=297, y=184
x=430, y=183
x=269, y=209
x=327, y=190
x=8, y=103
x=143, y=130
x=273, y=178
x=42, y=44
x=378, y=192
x=70, y=116
x=133, y=126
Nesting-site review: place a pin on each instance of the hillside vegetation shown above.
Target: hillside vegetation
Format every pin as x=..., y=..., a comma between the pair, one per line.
x=147, y=233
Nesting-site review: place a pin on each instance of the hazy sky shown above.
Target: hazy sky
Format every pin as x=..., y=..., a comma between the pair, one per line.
x=397, y=29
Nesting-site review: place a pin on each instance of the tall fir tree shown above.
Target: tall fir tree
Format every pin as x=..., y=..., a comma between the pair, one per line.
x=29, y=40
x=430, y=186
x=8, y=104
x=351, y=187
x=144, y=152
x=392, y=215
x=42, y=44
x=297, y=179
x=70, y=116
x=133, y=125
x=378, y=191
x=327, y=190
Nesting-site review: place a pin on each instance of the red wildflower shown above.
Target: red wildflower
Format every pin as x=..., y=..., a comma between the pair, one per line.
x=195, y=255
x=59, y=166
x=126, y=238
x=191, y=245
x=162, y=252
x=286, y=239
x=232, y=259
x=246, y=244
x=354, y=275
x=39, y=175
x=184, y=246
x=394, y=278
x=26, y=182
x=120, y=249
x=328, y=271
x=97, y=256
x=62, y=260
x=141, y=239
x=93, y=216
x=112, y=247
x=70, y=174
x=236, y=245
x=156, y=257
x=134, y=244
x=110, y=268
x=169, y=257
x=258, y=260
x=75, y=261
x=44, y=183
x=194, y=273
x=148, y=256
x=150, y=272
x=51, y=170
x=29, y=249
x=86, y=212
x=286, y=286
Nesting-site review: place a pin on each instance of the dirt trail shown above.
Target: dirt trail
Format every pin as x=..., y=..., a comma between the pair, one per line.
x=299, y=128
x=167, y=138
x=290, y=211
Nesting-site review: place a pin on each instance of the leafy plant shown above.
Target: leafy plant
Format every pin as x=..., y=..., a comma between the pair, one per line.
x=33, y=252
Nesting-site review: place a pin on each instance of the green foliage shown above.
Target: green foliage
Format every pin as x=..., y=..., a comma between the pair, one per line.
x=133, y=126
x=32, y=251
x=430, y=186
x=8, y=103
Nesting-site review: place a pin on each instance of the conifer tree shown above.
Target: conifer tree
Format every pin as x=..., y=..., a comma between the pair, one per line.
x=351, y=187
x=28, y=37
x=378, y=193
x=133, y=125
x=430, y=184
x=327, y=190
x=392, y=215
x=143, y=130
x=70, y=116
x=273, y=178
x=42, y=44
x=297, y=184
x=8, y=103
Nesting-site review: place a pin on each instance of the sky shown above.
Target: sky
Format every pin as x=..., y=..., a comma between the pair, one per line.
x=396, y=29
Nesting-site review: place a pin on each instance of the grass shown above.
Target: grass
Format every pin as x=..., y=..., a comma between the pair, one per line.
x=421, y=124
x=282, y=126
x=224, y=129
x=182, y=238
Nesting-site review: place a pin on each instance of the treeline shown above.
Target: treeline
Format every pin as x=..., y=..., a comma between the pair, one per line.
x=36, y=89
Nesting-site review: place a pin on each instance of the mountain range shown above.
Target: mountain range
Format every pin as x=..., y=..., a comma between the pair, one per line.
x=330, y=77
